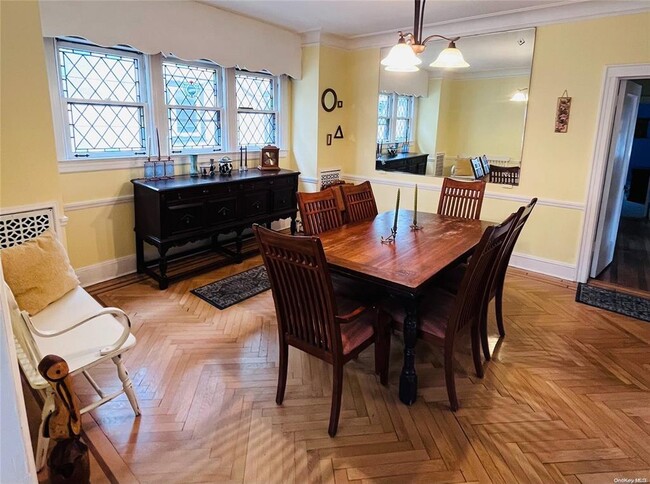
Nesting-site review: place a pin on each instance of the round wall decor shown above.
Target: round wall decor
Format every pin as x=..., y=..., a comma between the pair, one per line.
x=329, y=100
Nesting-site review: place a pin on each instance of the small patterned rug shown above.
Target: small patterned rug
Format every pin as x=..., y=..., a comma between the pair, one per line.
x=618, y=302
x=234, y=289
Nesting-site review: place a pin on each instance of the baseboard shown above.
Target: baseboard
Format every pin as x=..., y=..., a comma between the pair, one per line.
x=561, y=270
x=106, y=270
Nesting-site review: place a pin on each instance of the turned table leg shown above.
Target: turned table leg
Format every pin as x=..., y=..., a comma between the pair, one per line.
x=408, y=380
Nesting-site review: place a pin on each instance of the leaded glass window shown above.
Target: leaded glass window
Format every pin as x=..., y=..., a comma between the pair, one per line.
x=395, y=118
x=102, y=92
x=256, y=109
x=193, y=99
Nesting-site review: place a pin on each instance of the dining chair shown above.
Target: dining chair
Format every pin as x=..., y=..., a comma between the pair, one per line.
x=359, y=202
x=444, y=315
x=506, y=175
x=461, y=198
x=319, y=211
x=311, y=319
x=451, y=279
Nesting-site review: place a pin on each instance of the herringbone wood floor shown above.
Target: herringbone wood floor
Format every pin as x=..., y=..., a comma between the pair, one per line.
x=565, y=399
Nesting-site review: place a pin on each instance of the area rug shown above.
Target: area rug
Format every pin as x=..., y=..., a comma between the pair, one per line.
x=618, y=302
x=234, y=289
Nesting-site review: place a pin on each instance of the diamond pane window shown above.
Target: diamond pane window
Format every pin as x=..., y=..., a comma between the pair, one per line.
x=394, y=118
x=194, y=128
x=92, y=75
x=193, y=99
x=105, y=128
x=101, y=94
x=190, y=86
x=256, y=109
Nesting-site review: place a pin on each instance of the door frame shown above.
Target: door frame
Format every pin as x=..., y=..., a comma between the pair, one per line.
x=609, y=95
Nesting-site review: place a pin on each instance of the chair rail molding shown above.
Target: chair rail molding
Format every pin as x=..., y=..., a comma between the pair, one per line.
x=609, y=93
x=101, y=202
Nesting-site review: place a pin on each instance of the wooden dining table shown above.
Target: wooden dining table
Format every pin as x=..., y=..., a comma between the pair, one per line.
x=405, y=267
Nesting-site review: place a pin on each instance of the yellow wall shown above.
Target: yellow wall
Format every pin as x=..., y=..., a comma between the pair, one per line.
x=28, y=170
x=427, y=121
x=481, y=119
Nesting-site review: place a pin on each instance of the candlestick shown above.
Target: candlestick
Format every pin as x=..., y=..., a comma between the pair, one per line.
x=415, y=208
x=396, y=212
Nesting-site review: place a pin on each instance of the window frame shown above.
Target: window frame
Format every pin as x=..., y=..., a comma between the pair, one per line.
x=220, y=105
x=393, y=118
x=64, y=131
x=152, y=93
x=276, y=102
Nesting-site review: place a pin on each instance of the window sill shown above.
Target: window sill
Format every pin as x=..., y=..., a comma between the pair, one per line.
x=78, y=166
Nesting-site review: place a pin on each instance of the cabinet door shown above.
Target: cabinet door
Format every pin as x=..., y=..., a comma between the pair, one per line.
x=256, y=203
x=282, y=199
x=184, y=218
x=221, y=211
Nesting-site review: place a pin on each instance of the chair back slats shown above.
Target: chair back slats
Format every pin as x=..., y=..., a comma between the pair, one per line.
x=319, y=211
x=359, y=202
x=461, y=199
x=302, y=291
x=509, y=246
x=506, y=175
x=476, y=282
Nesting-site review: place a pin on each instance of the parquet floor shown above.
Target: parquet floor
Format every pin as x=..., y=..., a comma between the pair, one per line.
x=565, y=399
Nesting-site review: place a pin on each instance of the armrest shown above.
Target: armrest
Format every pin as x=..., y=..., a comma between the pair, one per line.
x=120, y=315
x=348, y=318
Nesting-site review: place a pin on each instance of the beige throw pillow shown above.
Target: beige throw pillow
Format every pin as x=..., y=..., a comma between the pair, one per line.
x=38, y=272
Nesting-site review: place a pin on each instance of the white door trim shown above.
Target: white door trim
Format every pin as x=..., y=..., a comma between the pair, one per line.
x=609, y=93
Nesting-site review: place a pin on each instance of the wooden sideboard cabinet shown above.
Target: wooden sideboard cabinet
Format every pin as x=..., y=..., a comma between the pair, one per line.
x=183, y=209
x=407, y=162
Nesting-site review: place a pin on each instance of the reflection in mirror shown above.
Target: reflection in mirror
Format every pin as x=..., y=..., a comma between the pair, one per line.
x=437, y=122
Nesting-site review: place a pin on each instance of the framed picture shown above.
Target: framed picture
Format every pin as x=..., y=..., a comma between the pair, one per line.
x=270, y=158
x=477, y=167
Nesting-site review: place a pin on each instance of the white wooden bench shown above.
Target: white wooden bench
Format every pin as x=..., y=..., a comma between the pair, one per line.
x=75, y=327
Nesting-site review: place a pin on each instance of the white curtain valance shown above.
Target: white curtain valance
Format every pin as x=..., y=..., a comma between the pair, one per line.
x=409, y=83
x=185, y=29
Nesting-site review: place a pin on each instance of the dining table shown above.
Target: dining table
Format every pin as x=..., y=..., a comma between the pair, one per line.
x=404, y=267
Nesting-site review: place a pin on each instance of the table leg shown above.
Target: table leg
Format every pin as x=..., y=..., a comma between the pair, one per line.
x=238, y=246
x=408, y=380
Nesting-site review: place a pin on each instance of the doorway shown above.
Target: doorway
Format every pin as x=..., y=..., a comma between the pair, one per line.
x=615, y=247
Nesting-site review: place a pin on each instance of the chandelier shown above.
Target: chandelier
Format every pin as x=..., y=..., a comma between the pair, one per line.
x=403, y=56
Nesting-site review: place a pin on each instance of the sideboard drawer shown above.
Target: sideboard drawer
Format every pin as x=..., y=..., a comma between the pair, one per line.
x=283, y=199
x=256, y=203
x=183, y=218
x=221, y=211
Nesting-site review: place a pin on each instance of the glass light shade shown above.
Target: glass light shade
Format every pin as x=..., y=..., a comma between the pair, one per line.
x=401, y=58
x=520, y=96
x=451, y=57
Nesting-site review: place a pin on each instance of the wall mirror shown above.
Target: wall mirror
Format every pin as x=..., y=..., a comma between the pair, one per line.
x=434, y=121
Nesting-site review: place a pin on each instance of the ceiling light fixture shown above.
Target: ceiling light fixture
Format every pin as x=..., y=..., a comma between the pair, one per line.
x=520, y=96
x=403, y=56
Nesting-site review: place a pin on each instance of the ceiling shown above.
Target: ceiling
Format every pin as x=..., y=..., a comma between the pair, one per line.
x=357, y=18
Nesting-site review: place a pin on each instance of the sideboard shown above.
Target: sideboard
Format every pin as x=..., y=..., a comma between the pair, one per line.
x=407, y=162
x=172, y=212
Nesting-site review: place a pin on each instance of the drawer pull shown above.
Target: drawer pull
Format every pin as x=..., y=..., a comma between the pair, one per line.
x=206, y=191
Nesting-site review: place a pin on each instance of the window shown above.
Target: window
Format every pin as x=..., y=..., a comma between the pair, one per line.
x=102, y=99
x=193, y=100
x=395, y=114
x=256, y=109
x=111, y=103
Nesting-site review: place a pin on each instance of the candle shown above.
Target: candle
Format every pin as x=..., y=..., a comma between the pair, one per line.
x=415, y=209
x=149, y=148
x=396, y=212
x=158, y=140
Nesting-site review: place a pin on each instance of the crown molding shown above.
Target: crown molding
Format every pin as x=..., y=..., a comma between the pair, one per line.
x=525, y=18
x=486, y=74
x=318, y=37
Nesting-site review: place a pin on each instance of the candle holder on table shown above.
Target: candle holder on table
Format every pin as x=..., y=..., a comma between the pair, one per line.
x=391, y=238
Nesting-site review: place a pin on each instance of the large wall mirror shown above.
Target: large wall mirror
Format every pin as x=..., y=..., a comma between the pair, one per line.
x=437, y=122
